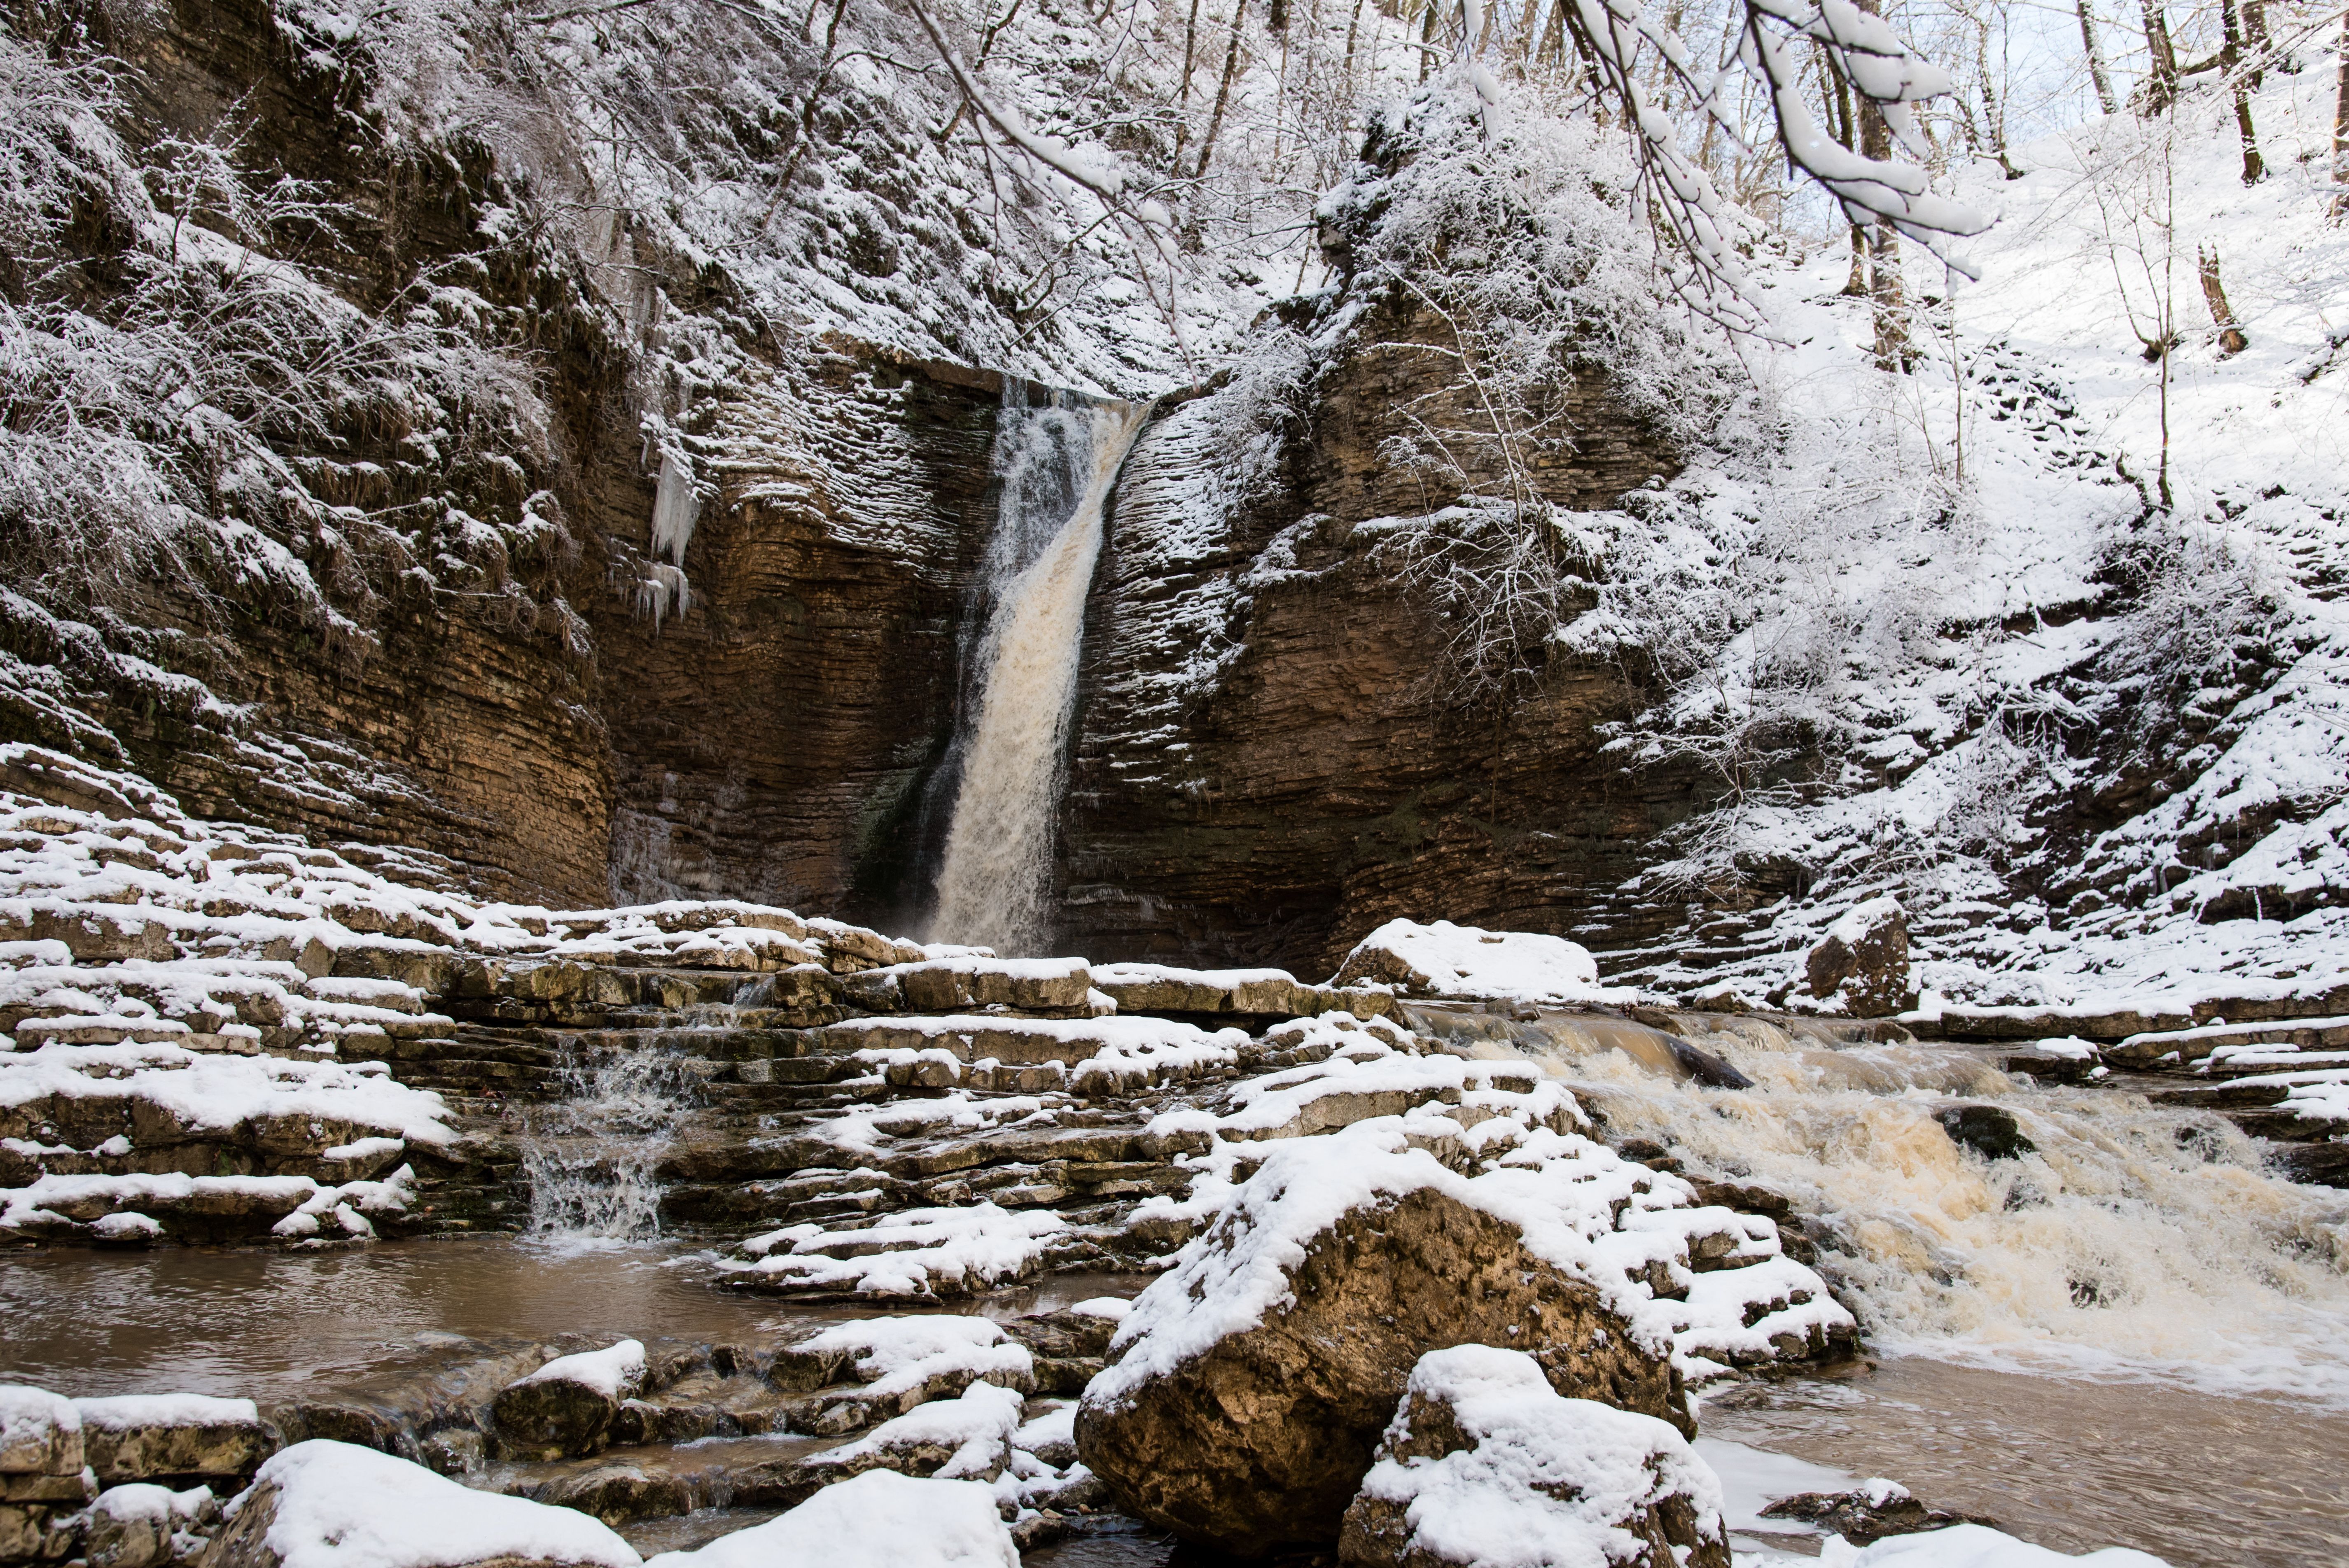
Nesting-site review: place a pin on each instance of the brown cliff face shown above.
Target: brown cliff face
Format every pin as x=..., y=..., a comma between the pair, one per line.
x=1267, y=767
x=1264, y=769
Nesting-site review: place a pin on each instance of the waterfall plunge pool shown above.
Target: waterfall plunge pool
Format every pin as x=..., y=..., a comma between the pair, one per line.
x=2199, y=1479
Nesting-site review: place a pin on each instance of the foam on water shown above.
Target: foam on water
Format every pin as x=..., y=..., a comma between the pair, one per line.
x=2137, y=1241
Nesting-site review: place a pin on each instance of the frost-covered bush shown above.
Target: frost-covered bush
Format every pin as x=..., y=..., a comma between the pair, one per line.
x=1497, y=256
x=184, y=396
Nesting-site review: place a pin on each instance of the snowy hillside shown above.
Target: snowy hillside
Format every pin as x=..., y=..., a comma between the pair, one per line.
x=1963, y=652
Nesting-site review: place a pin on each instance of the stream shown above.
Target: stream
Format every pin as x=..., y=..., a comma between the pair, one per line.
x=2203, y=1479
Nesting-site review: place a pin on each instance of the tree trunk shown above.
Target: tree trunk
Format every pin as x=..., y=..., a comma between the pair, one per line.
x=1223, y=90
x=1883, y=243
x=1993, y=120
x=2097, y=72
x=1427, y=39
x=2231, y=340
x=2162, y=76
x=2341, y=128
x=1840, y=120
x=2230, y=61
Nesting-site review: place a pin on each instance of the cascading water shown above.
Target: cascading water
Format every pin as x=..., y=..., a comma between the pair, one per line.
x=592, y=1155
x=2130, y=1240
x=1056, y=465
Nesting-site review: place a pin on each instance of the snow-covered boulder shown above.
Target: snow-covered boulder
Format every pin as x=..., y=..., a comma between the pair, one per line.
x=566, y=1407
x=1253, y=1380
x=323, y=1504
x=1447, y=961
x=1485, y=1465
x=1862, y=963
x=880, y=1520
x=144, y=1437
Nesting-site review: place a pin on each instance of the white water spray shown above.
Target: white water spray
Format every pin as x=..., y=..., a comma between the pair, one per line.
x=1056, y=465
x=591, y=1158
x=2133, y=1240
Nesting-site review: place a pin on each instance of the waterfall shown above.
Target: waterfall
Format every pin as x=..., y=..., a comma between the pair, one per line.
x=2131, y=1240
x=592, y=1157
x=1056, y=465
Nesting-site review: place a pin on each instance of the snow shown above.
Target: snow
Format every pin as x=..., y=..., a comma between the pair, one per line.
x=878, y=1519
x=1461, y=960
x=1575, y=1203
x=978, y=1427
x=121, y=1411
x=1752, y=1478
x=616, y=1371
x=1547, y=1481
x=932, y=1252
x=1113, y=1308
x=30, y=1418
x=1970, y=1546
x=339, y=1506
x=898, y=1355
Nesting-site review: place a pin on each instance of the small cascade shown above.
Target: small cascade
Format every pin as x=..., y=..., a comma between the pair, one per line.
x=591, y=1158
x=1972, y=1214
x=1055, y=465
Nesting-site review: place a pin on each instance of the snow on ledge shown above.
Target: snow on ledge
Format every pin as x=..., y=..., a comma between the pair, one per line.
x=1444, y=960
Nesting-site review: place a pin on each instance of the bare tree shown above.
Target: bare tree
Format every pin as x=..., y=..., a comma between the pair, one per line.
x=2098, y=74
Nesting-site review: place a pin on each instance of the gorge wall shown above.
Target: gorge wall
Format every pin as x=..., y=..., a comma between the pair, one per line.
x=534, y=696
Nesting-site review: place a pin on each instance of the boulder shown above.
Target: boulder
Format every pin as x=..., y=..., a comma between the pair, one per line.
x=565, y=1409
x=324, y=1504
x=1254, y=1380
x=147, y=1437
x=1485, y=1465
x=1990, y=1130
x=1444, y=960
x=1863, y=961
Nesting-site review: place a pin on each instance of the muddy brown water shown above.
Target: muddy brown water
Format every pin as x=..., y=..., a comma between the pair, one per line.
x=2200, y=1479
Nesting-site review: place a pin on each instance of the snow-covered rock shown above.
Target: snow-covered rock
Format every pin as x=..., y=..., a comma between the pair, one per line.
x=141, y=1436
x=1252, y=1381
x=902, y=1362
x=1444, y=960
x=566, y=1406
x=963, y=1439
x=879, y=1520
x=323, y=1504
x=1485, y=1466
x=1861, y=965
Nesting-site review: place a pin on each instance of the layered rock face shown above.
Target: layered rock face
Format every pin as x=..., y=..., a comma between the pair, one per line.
x=1268, y=764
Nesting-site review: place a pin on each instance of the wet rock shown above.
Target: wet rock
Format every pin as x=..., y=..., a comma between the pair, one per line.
x=331, y=1505
x=1989, y=1130
x=139, y=1437
x=566, y=1407
x=1873, y=1512
x=1864, y=961
x=1256, y=1435
x=1483, y=1455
